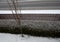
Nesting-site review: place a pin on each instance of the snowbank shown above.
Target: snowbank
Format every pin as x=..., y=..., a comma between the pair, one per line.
x=17, y=38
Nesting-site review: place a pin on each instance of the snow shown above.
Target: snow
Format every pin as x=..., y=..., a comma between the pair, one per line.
x=17, y=38
x=31, y=12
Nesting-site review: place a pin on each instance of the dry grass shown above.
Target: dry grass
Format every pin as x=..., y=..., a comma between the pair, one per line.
x=32, y=27
x=31, y=31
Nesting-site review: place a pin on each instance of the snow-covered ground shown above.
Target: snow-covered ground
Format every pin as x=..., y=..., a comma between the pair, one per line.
x=31, y=11
x=17, y=38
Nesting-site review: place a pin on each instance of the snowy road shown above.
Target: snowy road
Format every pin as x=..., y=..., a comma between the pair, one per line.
x=17, y=38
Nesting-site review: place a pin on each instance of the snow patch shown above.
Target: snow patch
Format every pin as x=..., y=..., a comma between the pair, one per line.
x=17, y=38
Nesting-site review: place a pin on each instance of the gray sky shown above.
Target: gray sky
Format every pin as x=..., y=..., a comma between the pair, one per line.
x=33, y=0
